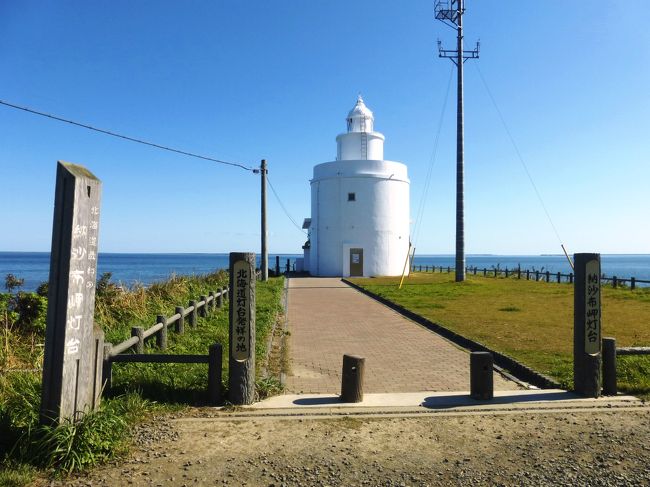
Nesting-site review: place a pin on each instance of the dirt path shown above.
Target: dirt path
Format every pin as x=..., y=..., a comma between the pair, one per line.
x=581, y=447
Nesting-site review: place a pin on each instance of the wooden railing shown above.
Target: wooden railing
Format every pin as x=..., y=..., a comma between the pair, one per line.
x=633, y=351
x=530, y=275
x=195, y=309
x=159, y=329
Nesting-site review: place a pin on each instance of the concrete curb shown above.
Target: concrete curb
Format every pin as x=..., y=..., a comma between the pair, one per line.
x=516, y=368
x=285, y=327
x=422, y=404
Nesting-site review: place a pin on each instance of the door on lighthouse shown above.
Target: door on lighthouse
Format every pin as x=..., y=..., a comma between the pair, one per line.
x=356, y=262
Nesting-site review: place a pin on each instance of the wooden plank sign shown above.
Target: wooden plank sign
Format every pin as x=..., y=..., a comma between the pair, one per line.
x=69, y=368
x=241, y=379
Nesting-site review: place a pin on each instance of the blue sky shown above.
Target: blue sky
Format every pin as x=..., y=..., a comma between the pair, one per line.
x=246, y=80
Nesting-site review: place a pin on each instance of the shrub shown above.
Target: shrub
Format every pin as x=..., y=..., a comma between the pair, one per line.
x=12, y=282
x=32, y=310
x=43, y=289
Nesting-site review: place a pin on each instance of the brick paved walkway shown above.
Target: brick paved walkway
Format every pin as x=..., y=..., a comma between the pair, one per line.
x=327, y=318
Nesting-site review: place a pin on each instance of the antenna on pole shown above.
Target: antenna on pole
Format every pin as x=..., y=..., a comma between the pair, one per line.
x=450, y=12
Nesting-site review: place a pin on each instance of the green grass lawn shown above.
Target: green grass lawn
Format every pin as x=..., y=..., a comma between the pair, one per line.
x=530, y=321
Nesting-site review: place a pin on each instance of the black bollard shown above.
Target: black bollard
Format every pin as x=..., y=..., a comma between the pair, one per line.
x=481, y=375
x=352, y=378
x=610, y=387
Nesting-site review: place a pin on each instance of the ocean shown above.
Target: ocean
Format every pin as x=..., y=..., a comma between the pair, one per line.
x=129, y=269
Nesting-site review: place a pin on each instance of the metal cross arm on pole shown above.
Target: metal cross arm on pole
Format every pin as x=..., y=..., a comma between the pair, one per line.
x=453, y=53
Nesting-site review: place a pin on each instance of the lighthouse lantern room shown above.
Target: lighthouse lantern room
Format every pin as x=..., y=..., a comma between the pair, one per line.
x=359, y=223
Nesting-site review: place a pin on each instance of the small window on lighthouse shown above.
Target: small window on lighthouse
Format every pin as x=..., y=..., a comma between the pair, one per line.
x=352, y=197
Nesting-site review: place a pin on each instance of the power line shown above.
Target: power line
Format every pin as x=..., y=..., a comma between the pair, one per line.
x=125, y=137
x=418, y=220
x=283, y=207
x=521, y=159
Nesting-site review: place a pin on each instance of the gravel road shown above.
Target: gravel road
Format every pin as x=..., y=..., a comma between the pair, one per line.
x=581, y=447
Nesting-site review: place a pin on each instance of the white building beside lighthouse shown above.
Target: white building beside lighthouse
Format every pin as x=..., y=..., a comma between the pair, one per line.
x=359, y=223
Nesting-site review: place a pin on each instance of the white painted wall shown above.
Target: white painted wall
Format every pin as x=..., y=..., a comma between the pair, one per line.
x=349, y=146
x=379, y=217
x=377, y=221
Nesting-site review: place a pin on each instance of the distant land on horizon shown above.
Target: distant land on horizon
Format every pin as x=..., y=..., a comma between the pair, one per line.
x=300, y=253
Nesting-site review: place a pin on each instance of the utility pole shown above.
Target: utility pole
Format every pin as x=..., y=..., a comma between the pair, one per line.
x=450, y=12
x=265, y=253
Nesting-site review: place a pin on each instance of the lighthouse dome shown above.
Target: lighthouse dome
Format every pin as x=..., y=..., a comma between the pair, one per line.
x=360, y=142
x=360, y=118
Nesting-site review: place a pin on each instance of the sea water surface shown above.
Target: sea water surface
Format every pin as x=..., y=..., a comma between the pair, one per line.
x=130, y=269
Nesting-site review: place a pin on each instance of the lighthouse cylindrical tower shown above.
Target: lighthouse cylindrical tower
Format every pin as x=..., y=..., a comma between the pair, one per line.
x=359, y=206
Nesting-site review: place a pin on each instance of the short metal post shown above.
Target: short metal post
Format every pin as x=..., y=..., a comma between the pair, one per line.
x=484, y=272
x=277, y=265
x=518, y=272
x=352, y=378
x=548, y=276
x=559, y=277
x=506, y=272
x=481, y=375
x=571, y=278
x=138, y=331
x=180, y=323
x=528, y=274
x=536, y=276
x=609, y=367
x=632, y=282
x=614, y=281
x=161, y=336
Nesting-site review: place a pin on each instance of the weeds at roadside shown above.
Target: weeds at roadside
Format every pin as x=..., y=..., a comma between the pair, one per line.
x=267, y=387
x=66, y=447
x=28, y=449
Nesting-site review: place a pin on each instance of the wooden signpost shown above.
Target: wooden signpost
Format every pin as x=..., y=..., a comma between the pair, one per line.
x=241, y=378
x=587, y=325
x=73, y=349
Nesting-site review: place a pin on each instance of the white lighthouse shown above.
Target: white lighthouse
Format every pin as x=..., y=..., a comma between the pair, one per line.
x=359, y=223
